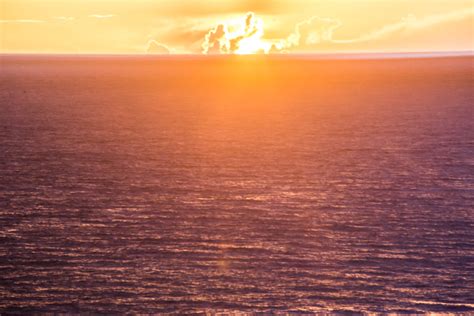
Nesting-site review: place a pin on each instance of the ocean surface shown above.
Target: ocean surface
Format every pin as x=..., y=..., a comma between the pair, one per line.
x=252, y=184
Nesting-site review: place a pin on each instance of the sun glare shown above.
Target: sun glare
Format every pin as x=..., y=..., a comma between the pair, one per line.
x=252, y=32
x=252, y=45
x=242, y=37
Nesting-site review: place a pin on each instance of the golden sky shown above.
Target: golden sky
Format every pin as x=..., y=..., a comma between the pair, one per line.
x=235, y=26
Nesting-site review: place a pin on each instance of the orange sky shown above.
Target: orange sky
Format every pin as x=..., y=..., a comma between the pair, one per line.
x=235, y=26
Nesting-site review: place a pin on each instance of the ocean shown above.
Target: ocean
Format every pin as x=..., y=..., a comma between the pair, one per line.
x=292, y=184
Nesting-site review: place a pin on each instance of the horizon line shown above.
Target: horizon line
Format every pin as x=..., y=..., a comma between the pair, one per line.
x=315, y=55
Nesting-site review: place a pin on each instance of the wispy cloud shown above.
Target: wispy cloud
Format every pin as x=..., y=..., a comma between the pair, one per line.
x=101, y=16
x=153, y=47
x=22, y=21
x=412, y=24
x=313, y=31
x=64, y=18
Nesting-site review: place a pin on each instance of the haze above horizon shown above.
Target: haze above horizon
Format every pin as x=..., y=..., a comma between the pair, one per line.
x=235, y=26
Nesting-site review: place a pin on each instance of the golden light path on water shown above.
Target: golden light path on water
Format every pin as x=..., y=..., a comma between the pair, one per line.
x=151, y=185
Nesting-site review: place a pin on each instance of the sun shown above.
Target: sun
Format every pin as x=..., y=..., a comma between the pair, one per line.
x=252, y=45
x=251, y=36
x=242, y=37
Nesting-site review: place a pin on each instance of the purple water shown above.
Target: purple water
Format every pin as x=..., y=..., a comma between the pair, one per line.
x=185, y=184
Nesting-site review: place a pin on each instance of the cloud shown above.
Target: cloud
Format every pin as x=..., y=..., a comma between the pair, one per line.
x=101, y=16
x=216, y=41
x=412, y=24
x=154, y=47
x=242, y=37
x=453, y=29
x=249, y=36
x=64, y=18
x=22, y=21
x=313, y=31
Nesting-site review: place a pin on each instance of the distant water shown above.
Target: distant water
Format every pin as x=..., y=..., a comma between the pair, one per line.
x=148, y=185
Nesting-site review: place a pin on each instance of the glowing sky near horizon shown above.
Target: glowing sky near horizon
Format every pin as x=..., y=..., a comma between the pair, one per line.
x=235, y=26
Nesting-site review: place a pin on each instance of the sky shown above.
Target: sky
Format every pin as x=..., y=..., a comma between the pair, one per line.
x=235, y=26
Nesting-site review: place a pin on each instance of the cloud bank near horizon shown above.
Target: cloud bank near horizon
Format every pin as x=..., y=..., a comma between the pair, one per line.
x=235, y=26
x=320, y=34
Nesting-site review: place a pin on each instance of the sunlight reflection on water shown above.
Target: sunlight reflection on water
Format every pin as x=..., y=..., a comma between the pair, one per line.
x=146, y=186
